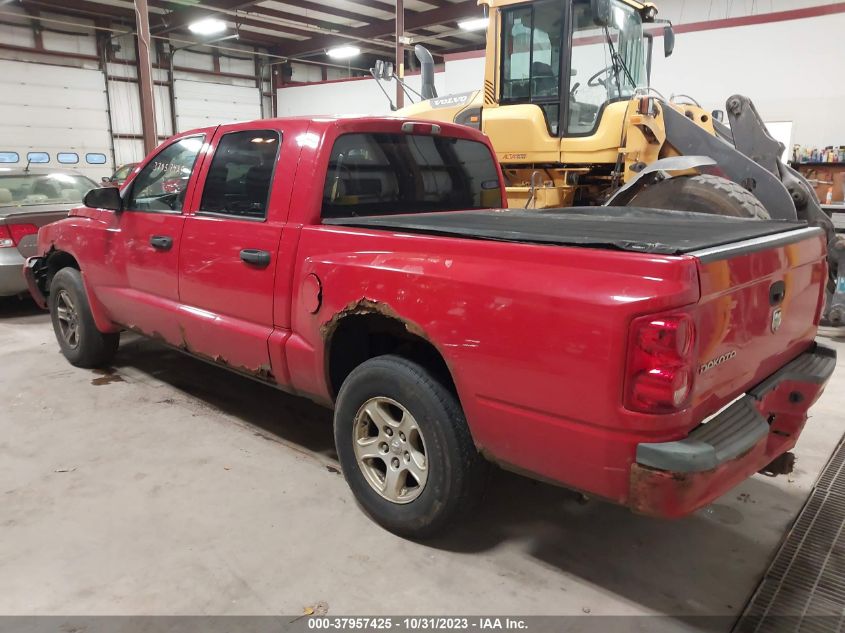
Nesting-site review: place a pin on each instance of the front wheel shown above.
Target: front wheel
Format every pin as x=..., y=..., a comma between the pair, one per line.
x=405, y=448
x=79, y=339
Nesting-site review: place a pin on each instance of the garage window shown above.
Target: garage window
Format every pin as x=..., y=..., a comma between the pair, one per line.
x=38, y=157
x=95, y=159
x=9, y=157
x=67, y=158
x=238, y=181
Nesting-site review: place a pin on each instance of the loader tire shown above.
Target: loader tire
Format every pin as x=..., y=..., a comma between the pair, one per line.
x=702, y=194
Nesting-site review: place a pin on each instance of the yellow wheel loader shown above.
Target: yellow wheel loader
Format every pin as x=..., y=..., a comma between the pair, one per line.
x=567, y=104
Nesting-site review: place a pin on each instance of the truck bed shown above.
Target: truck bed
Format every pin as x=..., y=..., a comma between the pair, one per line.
x=624, y=228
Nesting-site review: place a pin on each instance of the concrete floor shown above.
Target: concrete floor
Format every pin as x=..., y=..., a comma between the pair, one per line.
x=174, y=487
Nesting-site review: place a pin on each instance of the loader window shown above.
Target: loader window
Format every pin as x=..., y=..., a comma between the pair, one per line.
x=387, y=174
x=606, y=65
x=531, y=43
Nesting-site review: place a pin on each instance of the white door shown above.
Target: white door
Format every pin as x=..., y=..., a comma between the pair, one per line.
x=54, y=112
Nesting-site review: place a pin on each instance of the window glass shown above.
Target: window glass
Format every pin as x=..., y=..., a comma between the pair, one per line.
x=123, y=172
x=162, y=183
x=67, y=158
x=238, y=181
x=42, y=188
x=382, y=174
x=9, y=157
x=607, y=64
x=95, y=158
x=38, y=157
x=516, y=54
x=531, y=41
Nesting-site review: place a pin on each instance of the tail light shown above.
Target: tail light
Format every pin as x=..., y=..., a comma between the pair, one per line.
x=660, y=370
x=20, y=231
x=12, y=234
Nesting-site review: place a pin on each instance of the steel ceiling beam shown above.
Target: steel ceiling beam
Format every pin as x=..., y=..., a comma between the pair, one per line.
x=381, y=28
x=181, y=18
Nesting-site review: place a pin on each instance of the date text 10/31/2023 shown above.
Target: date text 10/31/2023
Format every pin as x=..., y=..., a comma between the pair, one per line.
x=438, y=623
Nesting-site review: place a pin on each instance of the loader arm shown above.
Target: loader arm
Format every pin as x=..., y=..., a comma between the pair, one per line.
x=748, y=155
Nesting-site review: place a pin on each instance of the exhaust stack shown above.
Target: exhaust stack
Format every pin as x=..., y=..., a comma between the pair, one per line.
x=427, y=89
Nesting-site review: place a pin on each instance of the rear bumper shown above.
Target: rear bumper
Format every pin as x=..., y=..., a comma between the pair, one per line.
x=672, y=479
x=11, y=280
x=29, y=267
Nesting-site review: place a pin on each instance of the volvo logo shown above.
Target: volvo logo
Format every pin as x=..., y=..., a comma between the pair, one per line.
x=777, y=319
x=717, y=361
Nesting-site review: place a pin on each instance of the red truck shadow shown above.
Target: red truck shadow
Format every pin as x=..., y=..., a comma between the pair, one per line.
x=705, y=564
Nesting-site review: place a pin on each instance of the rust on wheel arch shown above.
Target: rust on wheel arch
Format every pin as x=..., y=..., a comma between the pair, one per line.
x=365, y=306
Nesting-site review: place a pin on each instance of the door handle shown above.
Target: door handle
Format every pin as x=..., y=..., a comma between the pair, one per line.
x=255, y=257
x=161, y=242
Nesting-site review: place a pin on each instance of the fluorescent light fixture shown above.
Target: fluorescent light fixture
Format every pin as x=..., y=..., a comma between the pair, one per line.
x=476, y=24
x=343, y=52
x=207, y=26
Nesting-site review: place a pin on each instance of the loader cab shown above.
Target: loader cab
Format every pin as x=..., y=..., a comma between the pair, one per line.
x=571, y=59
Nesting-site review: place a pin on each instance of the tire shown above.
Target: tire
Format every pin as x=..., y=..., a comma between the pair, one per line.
x=69, y=307
x=702, y=194
x=389, y=389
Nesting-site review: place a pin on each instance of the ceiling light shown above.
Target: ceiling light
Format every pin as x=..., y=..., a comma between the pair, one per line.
x=343, y=52
x=207, y=26
x=476, y=24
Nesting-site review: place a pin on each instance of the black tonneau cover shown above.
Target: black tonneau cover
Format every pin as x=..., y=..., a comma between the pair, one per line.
x=624, y=228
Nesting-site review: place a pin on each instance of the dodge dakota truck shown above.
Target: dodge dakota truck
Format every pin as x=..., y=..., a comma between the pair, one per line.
x=650, y=358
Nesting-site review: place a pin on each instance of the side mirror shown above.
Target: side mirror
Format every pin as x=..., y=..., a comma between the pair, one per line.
x=601, y=12
x=378, y=69
x=388, y=70
x=103, y=198
x=105, y=180
x=718, y=115
x=668, y=40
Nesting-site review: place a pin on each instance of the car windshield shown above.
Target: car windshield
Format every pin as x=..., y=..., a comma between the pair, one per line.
x=123, y=172
x=32, y=189
x=608, y=63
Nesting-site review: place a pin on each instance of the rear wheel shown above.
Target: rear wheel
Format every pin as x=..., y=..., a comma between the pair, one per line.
x=79, y=339
x=702, y=194
x=405, y=448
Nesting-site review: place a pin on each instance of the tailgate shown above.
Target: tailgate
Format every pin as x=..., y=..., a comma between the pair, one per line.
x=759, y=308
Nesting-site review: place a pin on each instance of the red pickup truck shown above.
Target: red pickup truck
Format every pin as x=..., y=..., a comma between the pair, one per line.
x=651, y=358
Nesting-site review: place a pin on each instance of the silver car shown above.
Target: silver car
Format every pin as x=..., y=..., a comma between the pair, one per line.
x=29, y=199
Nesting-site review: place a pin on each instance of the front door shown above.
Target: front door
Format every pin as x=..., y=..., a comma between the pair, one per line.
x=142, y=245
x=229, y=249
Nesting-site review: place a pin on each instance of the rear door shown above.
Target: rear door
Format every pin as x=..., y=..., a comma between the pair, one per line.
x=759, y=308
x=229, y=248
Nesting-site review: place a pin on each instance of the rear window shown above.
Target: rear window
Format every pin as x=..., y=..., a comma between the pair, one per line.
x=385, y=174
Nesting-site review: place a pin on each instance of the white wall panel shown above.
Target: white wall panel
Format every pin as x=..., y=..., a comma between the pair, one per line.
x=125, y=107
x=463, y=75
x=17, y=35
x=200, y=104
x=245, y=66
x=54, y=109
x=128, y=150
x=760, y=62
x=356, y=96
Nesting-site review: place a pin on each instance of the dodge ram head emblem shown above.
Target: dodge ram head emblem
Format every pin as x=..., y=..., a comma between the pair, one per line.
x=717, y=361
x=777, y=319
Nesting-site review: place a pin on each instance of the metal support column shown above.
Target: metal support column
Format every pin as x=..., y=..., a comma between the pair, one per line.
x=145, y=77
x=400, y=52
